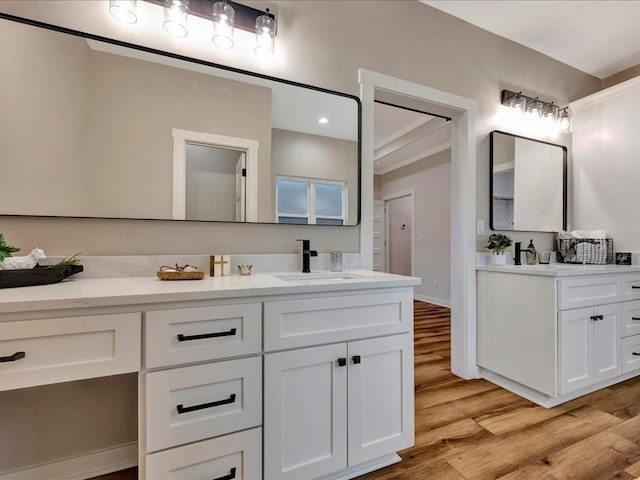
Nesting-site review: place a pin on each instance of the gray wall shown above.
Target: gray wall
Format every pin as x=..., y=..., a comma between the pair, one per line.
x=429, y=47
x=431, y=179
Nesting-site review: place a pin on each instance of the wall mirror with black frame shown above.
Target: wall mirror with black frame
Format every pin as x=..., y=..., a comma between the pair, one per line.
x=528, y=184
x=97, y=128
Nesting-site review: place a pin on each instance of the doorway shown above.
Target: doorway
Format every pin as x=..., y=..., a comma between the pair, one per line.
x=399, y=221
x=462, y=111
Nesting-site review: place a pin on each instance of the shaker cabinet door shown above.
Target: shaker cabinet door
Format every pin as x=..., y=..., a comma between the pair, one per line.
x=305, y=412
x=575, y=349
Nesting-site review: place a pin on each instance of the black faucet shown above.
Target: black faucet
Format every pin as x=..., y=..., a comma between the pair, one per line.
x=307, y=253
x=519, y=250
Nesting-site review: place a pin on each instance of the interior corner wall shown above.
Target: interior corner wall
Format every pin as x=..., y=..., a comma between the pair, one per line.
x=431, y=179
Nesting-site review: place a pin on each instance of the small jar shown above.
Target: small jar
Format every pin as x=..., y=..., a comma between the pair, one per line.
x=335, y=260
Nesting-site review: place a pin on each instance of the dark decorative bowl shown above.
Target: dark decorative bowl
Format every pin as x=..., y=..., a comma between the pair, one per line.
x=40, y=275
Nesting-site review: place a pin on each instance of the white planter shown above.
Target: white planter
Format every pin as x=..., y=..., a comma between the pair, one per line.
x=498, y=259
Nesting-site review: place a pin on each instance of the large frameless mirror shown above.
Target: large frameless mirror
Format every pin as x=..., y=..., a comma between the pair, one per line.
x=96, y=128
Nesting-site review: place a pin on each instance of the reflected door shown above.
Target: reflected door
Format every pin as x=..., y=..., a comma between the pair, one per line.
x=399, y=231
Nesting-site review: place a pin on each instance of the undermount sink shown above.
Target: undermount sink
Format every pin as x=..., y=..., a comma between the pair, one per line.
x=318, y=276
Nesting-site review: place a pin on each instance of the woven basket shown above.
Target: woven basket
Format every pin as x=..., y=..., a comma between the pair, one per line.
x=197, y=275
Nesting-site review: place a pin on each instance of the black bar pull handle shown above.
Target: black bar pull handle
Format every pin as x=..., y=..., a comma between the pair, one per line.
x=635, y=286
x=227, y=333
x=595, y=318
x=13, y=358
x=637, y=354
x=342, y=362
x=230, y=476
x=182, y=409
x=635, y=318
x=356, y=359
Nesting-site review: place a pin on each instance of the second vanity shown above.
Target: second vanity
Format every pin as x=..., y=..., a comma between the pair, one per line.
x=263, y=376
x=551, y=333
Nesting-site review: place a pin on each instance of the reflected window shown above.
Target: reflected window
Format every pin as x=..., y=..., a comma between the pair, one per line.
x=311, y=201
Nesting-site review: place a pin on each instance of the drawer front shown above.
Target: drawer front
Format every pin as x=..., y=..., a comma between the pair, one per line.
x=203, y=401
x=297, y=323
x=587, y=292
x=631, y=286
x=190, y=335
x=630, y=362
x=630, y=318
x=53, y=350
x=236, y=456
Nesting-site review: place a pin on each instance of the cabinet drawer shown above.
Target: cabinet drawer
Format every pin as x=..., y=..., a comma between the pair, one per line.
x=630, y=362
x=52, y=350
x=297, y=323
x=586, y=292
x=236, y=456
x=195, y=334
x=202, y=401
x=630, y=318
x=631, y=286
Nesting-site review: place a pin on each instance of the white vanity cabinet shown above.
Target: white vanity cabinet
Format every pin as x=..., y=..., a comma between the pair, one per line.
x=334, y=407
x=310, y=379
x=554, y=333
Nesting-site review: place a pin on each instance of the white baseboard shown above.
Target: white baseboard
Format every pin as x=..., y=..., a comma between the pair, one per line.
x=435, y=301
x=84, y=466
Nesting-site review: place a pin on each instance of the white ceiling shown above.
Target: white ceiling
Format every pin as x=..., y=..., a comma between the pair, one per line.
x=598, y=37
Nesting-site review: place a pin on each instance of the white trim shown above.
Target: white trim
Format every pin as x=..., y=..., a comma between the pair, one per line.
x=463, y=204
x=411, y=193
x=418, y=122
x=419, y=156
x=605, y=94
x=435, y=301
x=251, y=147
x=362, y=468
x=88, y=465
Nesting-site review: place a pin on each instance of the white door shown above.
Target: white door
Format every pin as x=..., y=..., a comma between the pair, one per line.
x=379, y=232
x=576, y=349
x=606, y=343
x=241, y=166
x=380, y=397
x=305, y=412
x=399, y=234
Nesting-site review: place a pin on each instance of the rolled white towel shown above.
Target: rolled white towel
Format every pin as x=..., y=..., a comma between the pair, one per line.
x=592, y=234
x=585, y=252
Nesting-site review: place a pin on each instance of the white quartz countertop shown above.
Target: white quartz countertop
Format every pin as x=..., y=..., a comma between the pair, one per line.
x=560, y=269
x=100, y=292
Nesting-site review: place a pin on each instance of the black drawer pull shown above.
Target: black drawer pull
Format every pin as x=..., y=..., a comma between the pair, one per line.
x=231, y=476
x=202, y=406
x=13, y=358
x=635, y=318
x=342, y=362
x=635, y=286
x=356, y=359
x=595, y=318
x=637, y=354
x=185, y=338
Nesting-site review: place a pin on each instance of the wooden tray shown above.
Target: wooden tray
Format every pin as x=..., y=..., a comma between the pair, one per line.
x=40, y=275
x=197, y=275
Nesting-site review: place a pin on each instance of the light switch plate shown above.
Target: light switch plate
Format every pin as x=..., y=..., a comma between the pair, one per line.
x=480, y=228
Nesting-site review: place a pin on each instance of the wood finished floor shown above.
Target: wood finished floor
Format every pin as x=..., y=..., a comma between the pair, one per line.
x=474, y=430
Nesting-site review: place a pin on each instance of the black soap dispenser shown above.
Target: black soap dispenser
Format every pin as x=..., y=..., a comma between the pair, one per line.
x=531, y=253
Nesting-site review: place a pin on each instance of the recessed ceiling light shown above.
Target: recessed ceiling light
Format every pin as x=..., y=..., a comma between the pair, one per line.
x=323, y=120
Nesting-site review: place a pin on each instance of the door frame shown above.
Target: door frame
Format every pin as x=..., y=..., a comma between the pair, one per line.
x=463, y=112
x=250, y=147
x=411, y=193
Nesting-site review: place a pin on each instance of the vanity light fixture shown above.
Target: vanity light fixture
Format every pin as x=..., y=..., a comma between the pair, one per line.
x=123, y=10
x=175, y=17
x=543, y=114
x=225, y=15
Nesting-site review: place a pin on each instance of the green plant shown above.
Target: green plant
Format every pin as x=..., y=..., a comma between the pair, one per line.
x=498, y=242
x=6, y=250
x=68, y=261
